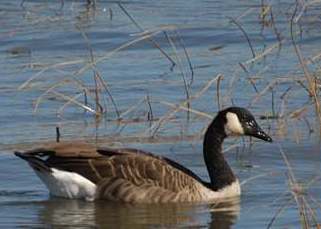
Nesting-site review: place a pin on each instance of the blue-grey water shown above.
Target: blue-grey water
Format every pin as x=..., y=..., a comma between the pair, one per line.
x=45, y=47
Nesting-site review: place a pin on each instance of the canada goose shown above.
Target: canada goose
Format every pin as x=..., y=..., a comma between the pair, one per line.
x=79, y=170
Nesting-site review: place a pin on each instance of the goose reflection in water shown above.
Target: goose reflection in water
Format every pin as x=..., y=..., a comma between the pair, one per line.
x=98, y=214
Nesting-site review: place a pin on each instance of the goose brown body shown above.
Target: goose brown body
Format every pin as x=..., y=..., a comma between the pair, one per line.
x=125, y=175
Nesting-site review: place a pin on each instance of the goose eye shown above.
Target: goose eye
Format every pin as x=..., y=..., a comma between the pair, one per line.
x=251, y=123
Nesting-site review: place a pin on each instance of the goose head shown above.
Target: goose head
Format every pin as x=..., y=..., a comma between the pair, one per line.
x=239, y=121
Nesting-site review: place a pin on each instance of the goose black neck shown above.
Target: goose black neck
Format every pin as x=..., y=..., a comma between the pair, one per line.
x=220, y=173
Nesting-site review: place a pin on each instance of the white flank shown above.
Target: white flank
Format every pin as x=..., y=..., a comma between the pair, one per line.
x=233, y=125
x=68, y=184
x=232, y=190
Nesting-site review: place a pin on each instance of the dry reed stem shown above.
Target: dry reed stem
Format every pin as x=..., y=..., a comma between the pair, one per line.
x=104, y=85
x=311, y=82
x=243, y=182
x=38, y=74
x=202, y=114
x=132, y=108
x=304, y=7
x=297, y=192
x=312, y=213
x=79, y=72
x=316, y=202
x=267, y=10
x=245, y=35
x=150, y=38
x=267, y=89
x=219, y=105
x=275, y=30
x=40, y=98
x=154, y=128
x=312, y=59
x=58, y=135
x=290, y=74
x=245, y=13
x=179, y=61
x=154, y=29
x=111, y=53
x=62, y=108
x=97, y=78
x=181, y=42
x=252, y=82
x=60, y=83
x=99, y=108
x=232, y=81
x=235, y=76
x=68, y=98
x=264, y=53
x=278, y=213
x=87, y=66
x=150, y=114
x=276, y=200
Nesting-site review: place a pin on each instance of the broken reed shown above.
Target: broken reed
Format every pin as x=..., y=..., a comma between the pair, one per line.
x=298, y=194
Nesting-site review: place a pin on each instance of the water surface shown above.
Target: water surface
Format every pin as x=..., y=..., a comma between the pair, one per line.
x=39, y=39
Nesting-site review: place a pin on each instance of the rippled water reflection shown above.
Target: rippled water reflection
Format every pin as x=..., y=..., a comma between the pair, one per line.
x=77, y=214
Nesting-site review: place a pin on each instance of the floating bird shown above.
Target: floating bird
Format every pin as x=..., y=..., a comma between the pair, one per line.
x=83, y=171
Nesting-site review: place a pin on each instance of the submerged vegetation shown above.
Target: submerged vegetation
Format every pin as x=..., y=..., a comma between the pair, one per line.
x=287, y=101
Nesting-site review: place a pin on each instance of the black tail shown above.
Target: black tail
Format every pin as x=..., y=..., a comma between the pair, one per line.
x=35, y=162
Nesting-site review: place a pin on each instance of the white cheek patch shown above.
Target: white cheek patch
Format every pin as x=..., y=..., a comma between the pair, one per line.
x=233, y=125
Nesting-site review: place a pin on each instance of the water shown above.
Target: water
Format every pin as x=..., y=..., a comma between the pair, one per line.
x=39, y=36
